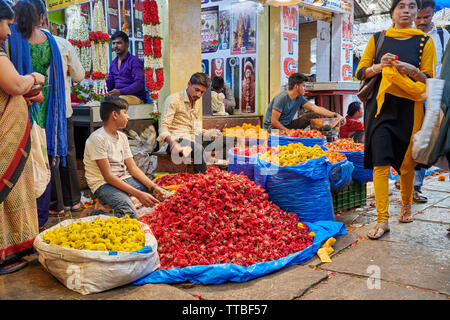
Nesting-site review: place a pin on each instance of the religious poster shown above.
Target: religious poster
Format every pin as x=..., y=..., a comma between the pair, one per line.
x=209, y=27
x=113, y=16
x=224, y=30
x=137, y=18
x=248, y=80
x=205, y=66
x=244, y=28
x=128, y=23
x=85, y=12
x=139, y=49
x=232, y=77
x=217, y=68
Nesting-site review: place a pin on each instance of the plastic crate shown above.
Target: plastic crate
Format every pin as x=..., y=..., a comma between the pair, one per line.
x=354, y=196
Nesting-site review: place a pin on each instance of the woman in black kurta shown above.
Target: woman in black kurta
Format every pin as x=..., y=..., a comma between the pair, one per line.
x=395, y=111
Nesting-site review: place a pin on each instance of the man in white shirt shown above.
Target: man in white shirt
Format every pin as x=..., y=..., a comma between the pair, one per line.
x=440, y=35
x=440, y=38
x=181, y=125
x=66, y=190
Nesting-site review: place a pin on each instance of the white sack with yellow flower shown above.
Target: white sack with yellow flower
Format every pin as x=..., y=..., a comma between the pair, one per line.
x=98, y=253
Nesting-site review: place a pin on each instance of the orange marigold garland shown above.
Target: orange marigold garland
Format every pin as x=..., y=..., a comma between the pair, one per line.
x=154, y=72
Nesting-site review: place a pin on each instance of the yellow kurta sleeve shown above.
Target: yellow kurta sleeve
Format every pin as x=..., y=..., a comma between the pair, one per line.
x=428, y=61
x=367, y=57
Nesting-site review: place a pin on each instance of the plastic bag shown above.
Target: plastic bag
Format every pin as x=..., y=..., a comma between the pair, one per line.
x=340, y=175
x=425, y=138
x=89, y=271
x=143, y=146
x=303, y=189
x=275, y=140
x=244, y=164
x=220, y=273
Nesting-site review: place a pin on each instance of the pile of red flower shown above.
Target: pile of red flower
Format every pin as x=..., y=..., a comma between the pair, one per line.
x=300, y=133
x=249, y=151
x=345, y=144
x=222, y=217
x=176, y=179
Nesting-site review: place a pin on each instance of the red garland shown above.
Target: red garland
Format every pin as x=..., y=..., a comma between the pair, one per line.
x=98, y=36
x=152, y=47
x=99, y=76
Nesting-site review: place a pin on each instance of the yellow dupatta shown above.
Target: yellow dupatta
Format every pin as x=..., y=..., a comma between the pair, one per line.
x=400, y=85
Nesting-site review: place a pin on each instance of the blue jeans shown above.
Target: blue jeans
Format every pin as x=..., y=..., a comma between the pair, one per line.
x=418, y=178
x=119, y=201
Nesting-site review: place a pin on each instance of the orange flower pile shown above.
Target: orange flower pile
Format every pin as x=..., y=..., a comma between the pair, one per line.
x=247, y=130
x=334, y=156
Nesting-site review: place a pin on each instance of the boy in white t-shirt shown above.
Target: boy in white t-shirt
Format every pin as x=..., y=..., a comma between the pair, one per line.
x=111, y=173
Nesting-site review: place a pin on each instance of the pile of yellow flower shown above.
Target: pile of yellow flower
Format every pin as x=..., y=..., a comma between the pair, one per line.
x=292, y=154
x=112, y=234
x=247, y=130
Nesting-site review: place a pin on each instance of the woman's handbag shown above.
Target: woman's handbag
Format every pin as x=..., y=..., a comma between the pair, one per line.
x=367, y=85
x=39, y=158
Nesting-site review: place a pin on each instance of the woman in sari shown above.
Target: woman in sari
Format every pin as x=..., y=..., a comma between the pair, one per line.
x=35, y=49
x=395, y=111
x=18, y=214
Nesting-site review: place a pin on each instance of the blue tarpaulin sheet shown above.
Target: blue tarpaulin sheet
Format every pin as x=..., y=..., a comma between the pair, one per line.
x=220, y=273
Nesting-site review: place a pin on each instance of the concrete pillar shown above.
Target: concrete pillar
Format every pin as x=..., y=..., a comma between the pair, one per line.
x=180, y=22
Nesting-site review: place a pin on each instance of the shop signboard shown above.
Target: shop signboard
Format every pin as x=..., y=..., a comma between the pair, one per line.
x=347, y=47
x=53, y=5
x=289, y=42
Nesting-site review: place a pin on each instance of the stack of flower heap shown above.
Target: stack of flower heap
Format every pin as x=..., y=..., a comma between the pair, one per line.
x=285, y=137
x=223, y=218
x=292, y=154
x=113, y=234
x=334, y=156
x=242, y=159
x=78, y=36
x=176, y=179
x=345, y=144
x=99, y=42
x=355, y=154
x=247, y=130
x=153, y=62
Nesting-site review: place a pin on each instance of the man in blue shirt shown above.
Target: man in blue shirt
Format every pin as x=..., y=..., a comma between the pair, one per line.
x=284, y=106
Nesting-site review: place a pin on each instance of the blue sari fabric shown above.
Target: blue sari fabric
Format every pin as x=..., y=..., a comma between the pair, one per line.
x=56, y=125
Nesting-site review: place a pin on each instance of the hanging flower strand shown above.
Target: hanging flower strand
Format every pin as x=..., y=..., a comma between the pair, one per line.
x=154, y=72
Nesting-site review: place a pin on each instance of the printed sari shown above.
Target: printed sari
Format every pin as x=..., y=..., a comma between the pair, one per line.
x=18, y=213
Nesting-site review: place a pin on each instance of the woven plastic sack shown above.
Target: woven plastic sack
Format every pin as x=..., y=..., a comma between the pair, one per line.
x=360, y=174
x=340, y=175
x=91, y=271
x=244, y=164
x=303, y=189
x=275, y=140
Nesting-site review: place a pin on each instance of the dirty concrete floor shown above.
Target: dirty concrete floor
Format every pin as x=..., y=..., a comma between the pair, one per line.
x=409, y=263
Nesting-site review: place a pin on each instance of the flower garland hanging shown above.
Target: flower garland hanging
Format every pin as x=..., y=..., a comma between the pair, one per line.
x=99, y=42
x=153, y=63
x=78, y=36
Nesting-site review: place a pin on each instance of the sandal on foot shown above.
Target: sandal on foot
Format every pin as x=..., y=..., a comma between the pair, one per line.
x=13, y=266
x=378, y=231
x=405, y=214
x=55, y=213
x=77, y=208
x=418, y=197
